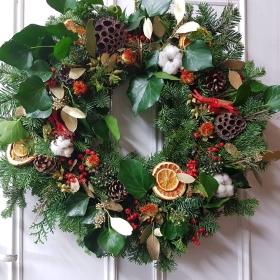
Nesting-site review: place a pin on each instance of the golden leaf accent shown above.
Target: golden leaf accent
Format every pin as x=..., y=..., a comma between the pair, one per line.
x=235, y=79
x=153, y=247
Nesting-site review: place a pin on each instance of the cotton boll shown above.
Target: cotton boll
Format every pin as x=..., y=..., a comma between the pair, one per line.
x=219, y=178
x=225, y=188
x=171, y=50
x=162, y=59
x=68, y=151
x=170, y=68
x=229, y=190
x=55, y=149
x=62, y=147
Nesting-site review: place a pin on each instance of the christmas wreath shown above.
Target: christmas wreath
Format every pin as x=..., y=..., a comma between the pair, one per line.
x=62, y=142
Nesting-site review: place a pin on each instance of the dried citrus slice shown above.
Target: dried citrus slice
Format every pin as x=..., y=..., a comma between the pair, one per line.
x=167, y=186
x=20, y=149
x=166, y=179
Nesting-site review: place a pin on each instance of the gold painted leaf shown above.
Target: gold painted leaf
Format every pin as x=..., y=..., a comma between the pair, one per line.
x=70, y=122
x=158, y=27
x=76, y=73
x=87, y=190
x=179, y=9
x=74, y=112
x=148, y=28
x=235, y=79
x=188, y=27
x=231, y=149
x=104, y=58
x=153, y=247
x=91, y=40
x=58, y=92
x=112, y=62
x=20, y=111
x=185, y=178
x=234, y=64
x=271, y=156
x=114, y=206
x=90, y=186
x=146, y=232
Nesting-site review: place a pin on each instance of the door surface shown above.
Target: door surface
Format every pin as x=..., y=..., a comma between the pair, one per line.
x=244, y=249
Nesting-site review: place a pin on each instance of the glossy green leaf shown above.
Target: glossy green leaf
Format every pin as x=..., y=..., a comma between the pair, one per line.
x=62, y=6
x=62, y=48
x=76, y=204
x=115, y=11
x=111, y=241
x=257, y=86
x=197, y=56
x=113, y=126
x=210, y=185
x=90, y=215
x=170, y=230
x=42, y=69
x=101, y=130
x=16, y=54
x=59, y=30
x=91, y=39
x=134, y=20
x=33, y=96
x=90, y=241
x=272, y=98
x=237, y=176
x=135, y=178
x=242, y=94
x=165, y=76
x=152, y=61
x=155, y=7
x=100, y=2
x=217, y=204
x=38, y=114
x=44, y=48
x=12, y=131
x=143, y=92
x=122, y=17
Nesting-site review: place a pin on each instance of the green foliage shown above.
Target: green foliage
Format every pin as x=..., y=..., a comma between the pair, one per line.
x=245, y=207
x=251, y=71
x=209, y=222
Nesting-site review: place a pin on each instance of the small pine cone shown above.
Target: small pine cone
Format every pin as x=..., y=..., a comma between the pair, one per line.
x=45, y=164
x=117, y=191
x=64, y=75
x=215, y=81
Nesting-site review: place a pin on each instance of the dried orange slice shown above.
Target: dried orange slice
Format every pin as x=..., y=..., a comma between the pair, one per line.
x=167, y=186
x=20, y=149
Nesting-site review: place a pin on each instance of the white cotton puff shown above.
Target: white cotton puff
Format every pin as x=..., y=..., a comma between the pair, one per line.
x=226, y=187
x=170, y=59
x=62, y=147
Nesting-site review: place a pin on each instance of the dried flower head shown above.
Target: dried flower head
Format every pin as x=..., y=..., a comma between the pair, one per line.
x=128, y=57
x=206, y=129
x=92, y=160
x=187, y=77
x=149, y=209
x=79, y=87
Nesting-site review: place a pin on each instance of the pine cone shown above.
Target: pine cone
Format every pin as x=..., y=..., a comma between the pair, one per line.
x=64, y=75
x=117, y=191
x=45, y=164
x=215, y=81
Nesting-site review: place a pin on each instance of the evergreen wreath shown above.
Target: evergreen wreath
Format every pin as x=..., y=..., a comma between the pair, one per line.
x=61, y=140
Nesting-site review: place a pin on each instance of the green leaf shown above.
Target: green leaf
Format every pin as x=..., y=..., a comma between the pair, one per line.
x=33, y=96
x=197, y=56
x=257, y=86
x=100, y=2
x=170, y=230
x=113, y=126
x=62, y=6
x=101, y=130
x=111, y=241
x=39, y=114
x=135, y=178
x=90, y=241
x=155, y=7
x=115, y=11
x=16, y=54
x=272, y=98
x=44, y=48
x=210, y=185
x=91, y=39
x=62, y=48
x=217, y=204
x=242, y=94
x=76, y=204
x=152, y=61
x=237, y=176
x=134, y=21
x=90, y=215
x=12, y=131
x=143, y=92
x=42, y=69
x=163, y=75
x=59, y=30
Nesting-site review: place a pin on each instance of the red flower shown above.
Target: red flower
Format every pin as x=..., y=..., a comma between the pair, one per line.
x=206, y=129
x=94, y=160
x=79, y=87
x=149, y=209
x=187, y=77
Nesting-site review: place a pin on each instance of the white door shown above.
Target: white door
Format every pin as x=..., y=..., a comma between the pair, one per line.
x=243, y=249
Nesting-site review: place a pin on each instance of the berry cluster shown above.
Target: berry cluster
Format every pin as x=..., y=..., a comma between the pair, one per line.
x=132, y=217
x=134, y=36
x=199, y=232
x=215, y=150
x=192, y=168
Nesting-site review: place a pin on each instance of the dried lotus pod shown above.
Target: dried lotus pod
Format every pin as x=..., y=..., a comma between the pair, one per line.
x=110, y=35
x=228, y=125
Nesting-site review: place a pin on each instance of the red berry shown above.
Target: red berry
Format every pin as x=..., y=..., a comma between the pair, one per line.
x=134, y=227
x=81, y=176
x=222, y=144
x=193, y=221
x=207, y=234
x=84, y=174
x=92, y=153
x=70, y=162
x=148, y=220
x=72, y=180
x=70, y=175
x=209, y=149
x=67, y=182
x=193, y=238
x=53, y=70
x=52, y=83
x=142, y=38
x=129, y=36
x=127, y=211
x=197, y=233
x=134, y=37
x=81, y=168
x=80, y=156
x=215, y=150
x=197, y=243
x=128, y=218
x=132, y=224
x=147, y=40
x=196, y=135
x=88, y=151
x=62, y=159
x=201, y=229
x=136, y=201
